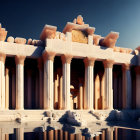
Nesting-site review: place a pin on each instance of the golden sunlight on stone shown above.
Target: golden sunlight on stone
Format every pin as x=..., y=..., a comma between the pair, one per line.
x=79, y=36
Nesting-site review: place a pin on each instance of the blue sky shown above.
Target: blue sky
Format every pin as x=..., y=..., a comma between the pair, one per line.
x=27, y=18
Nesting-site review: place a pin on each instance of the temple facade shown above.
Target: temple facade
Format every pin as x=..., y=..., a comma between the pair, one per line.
x=70, y=70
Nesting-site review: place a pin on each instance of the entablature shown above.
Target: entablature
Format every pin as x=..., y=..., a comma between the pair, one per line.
x=80, y=50
x=12, y=49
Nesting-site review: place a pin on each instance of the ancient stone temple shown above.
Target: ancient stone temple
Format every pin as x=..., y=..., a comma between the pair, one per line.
x=70, y=70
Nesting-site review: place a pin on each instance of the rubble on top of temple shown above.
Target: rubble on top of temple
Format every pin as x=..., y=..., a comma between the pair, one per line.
x=110, y=40
x=3, y=33
x=80, y=32
x=18, y=40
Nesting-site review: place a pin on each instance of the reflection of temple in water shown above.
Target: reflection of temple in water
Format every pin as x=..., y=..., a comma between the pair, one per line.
x=73, y=70
x=106, y=134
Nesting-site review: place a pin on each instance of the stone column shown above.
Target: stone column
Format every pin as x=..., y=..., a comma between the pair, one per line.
x=109, y=134
x=6, y=136
x=116, y=133
x=79, y=137
x=29, y=89
x=108, y=64
x=80, y=96
x=56, y=134
x=103, y=135
x=66, y=60
x=97, y=138
x=48, y=102
x=19, y=133
x=40, y=67
x=60, y=88
x=96, y=92
x=19, y=82
x=61, y=134
x=127, y=89
x=89, y=83
x=103, y=90
x=50, y=133
x=137, y=69
x=13, y=88
x=72, y=136
x=66, y=135
x=45, y=135
x=55, y=90
x=2, y=80
x=115, y=92
x=83, y=138
x=2, y=135
x=6, y=88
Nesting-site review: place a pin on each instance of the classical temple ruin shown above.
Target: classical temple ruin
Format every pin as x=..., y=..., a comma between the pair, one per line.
x=70, y=70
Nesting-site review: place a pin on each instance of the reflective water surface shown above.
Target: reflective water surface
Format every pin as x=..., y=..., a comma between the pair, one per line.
x=31, y=132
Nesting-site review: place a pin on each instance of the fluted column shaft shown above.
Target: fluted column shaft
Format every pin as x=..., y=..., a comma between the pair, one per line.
x=20, y=134
x=55, y=90
x=2, y=80
x=103, y=91
x=29, y=89
x=19, y=82
x=80, y=96
x=138, y=87
x=48, y=102
x=60, y=88
x=109, y=134
x=89, y=83
x=127, y=87
x=6, y=88
x=66, y=60
x=108, y=64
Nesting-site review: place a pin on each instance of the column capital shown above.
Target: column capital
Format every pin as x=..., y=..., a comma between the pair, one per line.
x=137, y=70
x=108, y=63
x=40, y=63
x=48, y=56
x=89, y=61
x=66, y=58
x=125, y=66
x=2, y=57
x=19, y=59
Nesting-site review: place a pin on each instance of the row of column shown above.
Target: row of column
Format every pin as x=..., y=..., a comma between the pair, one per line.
x=106, y=134
x=89, y=82
x=48, y=90
x=4, y=83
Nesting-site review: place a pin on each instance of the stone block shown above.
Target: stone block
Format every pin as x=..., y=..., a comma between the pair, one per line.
x=96, y=39
x=10, y=39
x=20, y=40
x=29, y=41
x=62, y=36
x=57, y=35
x=3, y=34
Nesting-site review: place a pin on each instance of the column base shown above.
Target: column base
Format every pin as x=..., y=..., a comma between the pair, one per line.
x=19, y=109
